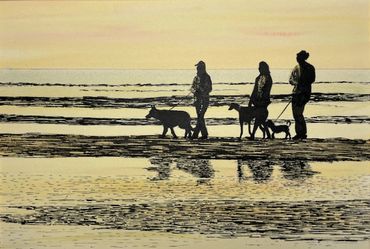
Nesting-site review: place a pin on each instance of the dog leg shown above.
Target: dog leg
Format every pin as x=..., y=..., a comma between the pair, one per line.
x=241, y=130
x=288, y=135
x=165, y=129
x=187, y=132
x=190, y=129
x=173, y=133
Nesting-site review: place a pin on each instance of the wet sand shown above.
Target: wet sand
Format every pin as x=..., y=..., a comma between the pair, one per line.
x=38, y=145
x=164, y=203
x=61, y=236
x=94, y=173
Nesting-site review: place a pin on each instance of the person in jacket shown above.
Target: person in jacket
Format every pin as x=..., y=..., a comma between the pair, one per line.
x=302, y=77
x=260, y=97
x=201, y=87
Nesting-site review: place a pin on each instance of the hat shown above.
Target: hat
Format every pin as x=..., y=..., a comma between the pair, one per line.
x=303, y=54
x=200, y=63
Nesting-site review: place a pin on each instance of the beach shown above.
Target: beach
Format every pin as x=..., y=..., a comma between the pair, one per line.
x=81, y=167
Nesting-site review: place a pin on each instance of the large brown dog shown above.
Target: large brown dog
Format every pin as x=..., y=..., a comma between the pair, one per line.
x=247, y=114
x=171, y=119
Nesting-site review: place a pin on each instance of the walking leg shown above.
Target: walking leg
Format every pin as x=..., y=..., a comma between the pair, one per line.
x=241, y=130
x=173, y=133
x=204, y=107
x=165, y=129
x=300, y=123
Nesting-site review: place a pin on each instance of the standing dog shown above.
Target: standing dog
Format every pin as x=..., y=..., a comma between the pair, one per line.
x=171, y=119
x=279, y=128
x=247, y=114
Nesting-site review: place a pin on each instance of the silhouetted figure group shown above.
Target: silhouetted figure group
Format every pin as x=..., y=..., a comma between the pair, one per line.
x=302, y=77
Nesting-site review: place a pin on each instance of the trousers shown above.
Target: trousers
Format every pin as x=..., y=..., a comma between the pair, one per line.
x=201, y=105
x=300, y=122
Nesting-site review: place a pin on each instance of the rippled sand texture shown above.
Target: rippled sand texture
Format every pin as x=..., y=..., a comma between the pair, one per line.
x=81, y=167
x=220, y=199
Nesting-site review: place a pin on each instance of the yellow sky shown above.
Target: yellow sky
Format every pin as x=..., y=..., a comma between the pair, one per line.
x=174, y=34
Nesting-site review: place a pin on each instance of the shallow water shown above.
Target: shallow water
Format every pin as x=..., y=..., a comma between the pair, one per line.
x=62, y=181
x=163, y=202
x=165, y=76
x=98, y=192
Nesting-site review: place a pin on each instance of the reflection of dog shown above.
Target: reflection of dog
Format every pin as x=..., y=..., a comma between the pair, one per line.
x=171, y=119
x=247, y=114
x=279, y=128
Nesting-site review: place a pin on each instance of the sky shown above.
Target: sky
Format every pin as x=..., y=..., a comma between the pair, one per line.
x=174, y=34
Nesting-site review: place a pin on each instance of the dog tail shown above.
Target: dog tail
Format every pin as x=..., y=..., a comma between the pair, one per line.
x=288, y=123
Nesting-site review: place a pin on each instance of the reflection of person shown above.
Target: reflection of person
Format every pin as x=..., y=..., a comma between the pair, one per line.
x=261, y=170
x=162, y=165
x=302, y=76
x=202, y=86
x=297, y=170
x=200, y=168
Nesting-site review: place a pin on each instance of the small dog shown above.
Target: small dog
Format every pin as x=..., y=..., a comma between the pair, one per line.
x=247, y=114
x=171, y=119
x=279, y=128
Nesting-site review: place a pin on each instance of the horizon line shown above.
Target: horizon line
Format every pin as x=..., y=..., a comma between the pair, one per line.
x=90, y=68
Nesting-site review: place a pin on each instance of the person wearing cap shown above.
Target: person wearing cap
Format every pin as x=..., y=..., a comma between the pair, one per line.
x=201, y=87
x=302, y=76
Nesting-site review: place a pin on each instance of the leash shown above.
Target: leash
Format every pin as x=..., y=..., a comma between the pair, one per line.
x=181, y=101
x=283, y=110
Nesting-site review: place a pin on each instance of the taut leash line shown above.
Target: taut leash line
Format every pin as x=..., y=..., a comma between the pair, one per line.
x=181, y=101
x=283, y=110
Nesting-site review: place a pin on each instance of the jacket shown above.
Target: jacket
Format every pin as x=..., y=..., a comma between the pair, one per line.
x=202, y=86
x=260, y=96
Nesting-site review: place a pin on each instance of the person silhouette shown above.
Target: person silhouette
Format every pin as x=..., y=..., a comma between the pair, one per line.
x=302, y=76
x=260, y=97
x=201, y=87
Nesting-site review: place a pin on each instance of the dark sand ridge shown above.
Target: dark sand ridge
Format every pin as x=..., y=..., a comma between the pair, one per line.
x=141, y=121
x=306, y=220
x=39, y=145
x=215, y=100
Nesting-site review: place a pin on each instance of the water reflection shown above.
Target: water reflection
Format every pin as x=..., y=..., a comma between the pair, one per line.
x=262, y=170
x=199, y=168
x=259, y=171
x=162, y=165
x=297, y=170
